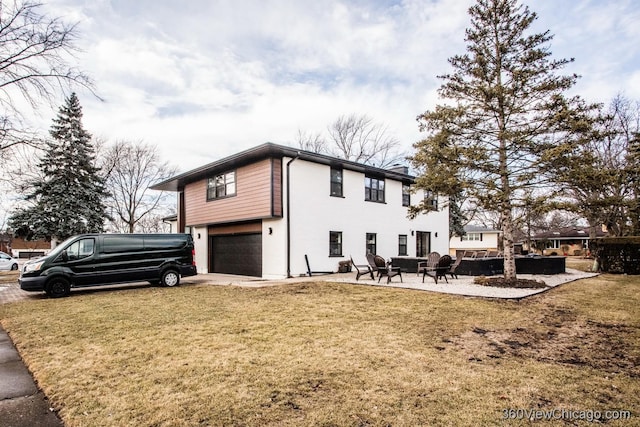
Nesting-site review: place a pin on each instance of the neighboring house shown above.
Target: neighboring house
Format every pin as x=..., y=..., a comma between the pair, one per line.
x=564, y=241
x=172, y=222
x=20, y=248
x=476, y=238
x=259, y=212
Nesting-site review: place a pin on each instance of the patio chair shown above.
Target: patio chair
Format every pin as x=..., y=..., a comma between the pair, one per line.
x=492, y=254
x=361, y=270
x=469, y=254
x=385, y=269
x=454, y=266
x=429, y=264
x=441, y=269
x=372, y=263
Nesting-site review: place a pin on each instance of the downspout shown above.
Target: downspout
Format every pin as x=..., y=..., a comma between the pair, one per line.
x=289, y=216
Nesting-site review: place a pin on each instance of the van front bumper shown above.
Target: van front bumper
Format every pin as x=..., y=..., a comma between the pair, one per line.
x=32, y=283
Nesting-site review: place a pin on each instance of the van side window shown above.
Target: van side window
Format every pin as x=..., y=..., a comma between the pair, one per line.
x=118, y=244
x=160, y=242
x=81, y=249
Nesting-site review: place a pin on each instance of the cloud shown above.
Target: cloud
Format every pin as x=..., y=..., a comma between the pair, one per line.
x=231, y=75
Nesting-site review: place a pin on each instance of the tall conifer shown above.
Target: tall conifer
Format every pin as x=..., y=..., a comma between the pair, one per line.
x=506, y=119
x=70, y=198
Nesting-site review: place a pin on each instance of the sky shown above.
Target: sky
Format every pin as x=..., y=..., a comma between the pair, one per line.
x=204, y=79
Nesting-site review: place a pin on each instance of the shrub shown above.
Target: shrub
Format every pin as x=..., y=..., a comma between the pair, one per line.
x=617, y=254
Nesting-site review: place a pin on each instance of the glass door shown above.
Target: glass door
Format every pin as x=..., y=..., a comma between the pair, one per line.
x=423, y=243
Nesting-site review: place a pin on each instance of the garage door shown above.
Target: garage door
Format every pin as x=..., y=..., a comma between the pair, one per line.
x=237, y=254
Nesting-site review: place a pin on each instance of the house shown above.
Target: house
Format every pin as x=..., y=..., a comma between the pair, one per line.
x=476, y=238
x=20, y=248
x=267, y=210
x=564, y=241
x=172, y=222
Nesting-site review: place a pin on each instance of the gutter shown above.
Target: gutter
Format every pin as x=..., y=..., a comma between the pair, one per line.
x=289, y=215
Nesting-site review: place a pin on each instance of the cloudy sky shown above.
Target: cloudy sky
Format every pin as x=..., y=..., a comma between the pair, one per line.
x=203, y=79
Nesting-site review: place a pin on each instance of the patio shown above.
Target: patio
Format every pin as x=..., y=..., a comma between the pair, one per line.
x=464, y=285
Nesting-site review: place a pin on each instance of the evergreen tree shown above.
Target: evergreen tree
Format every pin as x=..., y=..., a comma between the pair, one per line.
x=457, y=219
x=507, y=117
x=70, y=198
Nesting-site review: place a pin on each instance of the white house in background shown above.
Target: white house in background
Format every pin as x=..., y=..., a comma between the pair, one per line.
x=476, y=238
x=259, y=212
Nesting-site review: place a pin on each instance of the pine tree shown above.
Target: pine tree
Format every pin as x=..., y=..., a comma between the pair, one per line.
x=507, y=117
x=70, y=198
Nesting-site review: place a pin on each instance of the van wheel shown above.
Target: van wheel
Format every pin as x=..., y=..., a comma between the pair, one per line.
x=58, y=287
x=170, y=278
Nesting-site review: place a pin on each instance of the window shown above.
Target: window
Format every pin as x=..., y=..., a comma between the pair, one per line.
x=471, y=237
x=80, y=249
x=374, y=189
x=371, y=243
x=431, y=199
x=336, y=182
x=114, y=244
x=223, y=185
x=406, y=195
x=335, y=243
x=402, y=244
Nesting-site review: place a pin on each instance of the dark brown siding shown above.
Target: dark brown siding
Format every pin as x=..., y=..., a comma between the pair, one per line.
x=277, y=187
x=247, y=227
x=253, y=198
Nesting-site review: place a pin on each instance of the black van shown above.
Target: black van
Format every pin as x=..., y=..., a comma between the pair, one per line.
x=101, y=259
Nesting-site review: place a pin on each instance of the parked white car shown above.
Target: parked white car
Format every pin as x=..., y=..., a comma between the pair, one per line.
x=7, y=262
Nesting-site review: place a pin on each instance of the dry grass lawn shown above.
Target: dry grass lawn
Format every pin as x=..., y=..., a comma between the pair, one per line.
x=8, y=277
x=327, y=354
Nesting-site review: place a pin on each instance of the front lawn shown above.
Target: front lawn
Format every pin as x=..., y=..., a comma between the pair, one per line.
x=331, y=354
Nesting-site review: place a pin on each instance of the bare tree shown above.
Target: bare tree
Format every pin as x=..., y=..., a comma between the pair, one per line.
x=130, y=169
x=314, y=143
x=598, y=174
x=360, y=139
x=34, y=54
x=357, y=138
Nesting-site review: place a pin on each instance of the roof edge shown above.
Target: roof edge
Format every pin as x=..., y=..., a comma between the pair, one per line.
x=267, y=150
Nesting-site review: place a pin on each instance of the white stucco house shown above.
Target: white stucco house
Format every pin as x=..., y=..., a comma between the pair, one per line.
x=259, y=212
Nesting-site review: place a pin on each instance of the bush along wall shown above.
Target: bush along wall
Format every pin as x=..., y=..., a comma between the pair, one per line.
x=617, y=254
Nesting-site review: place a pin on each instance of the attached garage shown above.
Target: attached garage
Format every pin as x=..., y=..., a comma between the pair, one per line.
x=236, y=254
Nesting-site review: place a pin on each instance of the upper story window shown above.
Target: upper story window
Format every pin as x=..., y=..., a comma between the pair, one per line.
x=431, y=199
x=222, y=185
x=406, y=195
x=373, y=189
x=472, y=237
x=336, y=182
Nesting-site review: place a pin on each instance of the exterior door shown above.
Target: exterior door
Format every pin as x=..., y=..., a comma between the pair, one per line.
x=423, y=243
x=237, y=254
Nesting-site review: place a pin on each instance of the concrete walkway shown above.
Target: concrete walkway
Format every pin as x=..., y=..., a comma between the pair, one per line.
x=21, y=403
